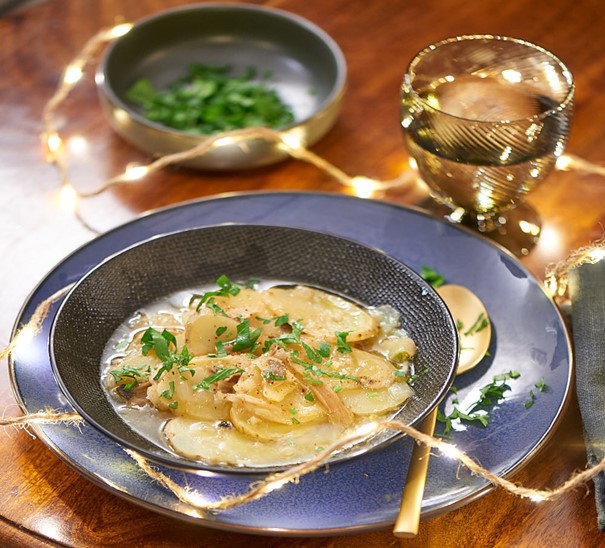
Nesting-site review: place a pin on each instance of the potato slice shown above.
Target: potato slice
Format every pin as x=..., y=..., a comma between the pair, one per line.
x=397, y=349
x=208, y=441
x=371, y=370
x=322, y=314
x=174, y=391
x=224, y=444
x=202, y=333
x=375, y=402
x=276, y=391
x=248, y=303
x=248, y=423
x=135, y=361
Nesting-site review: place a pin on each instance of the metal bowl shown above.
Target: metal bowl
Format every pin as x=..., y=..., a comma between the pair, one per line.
x=140, y=275
x=307, y=68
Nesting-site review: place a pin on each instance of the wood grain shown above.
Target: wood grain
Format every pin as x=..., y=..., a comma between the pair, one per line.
x=45, y=502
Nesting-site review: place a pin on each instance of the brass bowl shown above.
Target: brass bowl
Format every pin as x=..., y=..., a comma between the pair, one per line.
x=307, y=68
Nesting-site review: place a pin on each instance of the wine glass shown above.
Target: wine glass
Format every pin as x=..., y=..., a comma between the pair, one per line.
x=485, y=118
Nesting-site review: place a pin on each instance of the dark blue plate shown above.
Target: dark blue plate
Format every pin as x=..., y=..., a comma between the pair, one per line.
x=363, y=494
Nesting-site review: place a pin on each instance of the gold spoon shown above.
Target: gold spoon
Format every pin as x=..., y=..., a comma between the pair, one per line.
x=475, y=335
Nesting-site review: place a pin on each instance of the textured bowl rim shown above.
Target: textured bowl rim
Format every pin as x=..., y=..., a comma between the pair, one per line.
x=338, y=87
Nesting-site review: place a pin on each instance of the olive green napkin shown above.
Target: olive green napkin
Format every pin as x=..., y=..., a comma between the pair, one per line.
x=587, y=293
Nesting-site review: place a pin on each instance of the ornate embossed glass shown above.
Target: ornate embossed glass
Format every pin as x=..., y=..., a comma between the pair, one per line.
x=485, y=118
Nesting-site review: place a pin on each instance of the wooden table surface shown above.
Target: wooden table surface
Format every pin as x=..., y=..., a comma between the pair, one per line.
x=45, y=502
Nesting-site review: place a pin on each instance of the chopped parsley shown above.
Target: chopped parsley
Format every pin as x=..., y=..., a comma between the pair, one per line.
x=158, y=342
x=478, y=412
x=415, y=376
x=270, y=376
x=316, y=354
x=313, y=372
x=168, y=394
x=245, y=338
x=532, y=399
x=286, y=338
x=161, y=344
x=478, y=325
x=281, y=320
x=541, y=386
x=221, y=351
x=209, y=100
x=219, y=375
x=129, y=377
x=341, y=342
x=226, y=288
x=431, y=276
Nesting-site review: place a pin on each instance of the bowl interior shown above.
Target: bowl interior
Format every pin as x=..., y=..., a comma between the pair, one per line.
x=304, y=65
x=156, y=268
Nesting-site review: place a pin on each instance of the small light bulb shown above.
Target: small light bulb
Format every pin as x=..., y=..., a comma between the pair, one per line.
x=78, y=144
x=450, y=451
x=73, y=74
x=25, y=336
x=120, y=30
x=596, y=255
x=275, y=485
x=53, y=142
x=135, y=172
x=563, y=163
x=529, y=228
x=68, y=197
x=537, y=498
x=293, y=139
x=223, y=142
x=363, y=187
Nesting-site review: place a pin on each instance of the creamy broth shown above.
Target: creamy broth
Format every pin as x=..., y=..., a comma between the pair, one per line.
x=256, y=375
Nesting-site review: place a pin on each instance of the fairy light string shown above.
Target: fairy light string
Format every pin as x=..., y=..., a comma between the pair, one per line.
x=55, y=154
x=557, y=279
x=72, y=75
x=136, y=172
x=49, y=416
x=33, y=326
x=362, y=186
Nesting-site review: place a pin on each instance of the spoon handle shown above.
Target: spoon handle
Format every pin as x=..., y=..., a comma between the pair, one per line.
x=408, y=519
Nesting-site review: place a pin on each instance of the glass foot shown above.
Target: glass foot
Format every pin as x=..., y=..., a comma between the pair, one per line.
x=517, y=229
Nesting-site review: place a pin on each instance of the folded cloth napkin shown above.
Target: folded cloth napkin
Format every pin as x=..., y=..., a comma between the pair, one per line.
x=587, y=293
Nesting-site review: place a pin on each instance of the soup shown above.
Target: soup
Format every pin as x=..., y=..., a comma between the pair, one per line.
x=257, y=374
